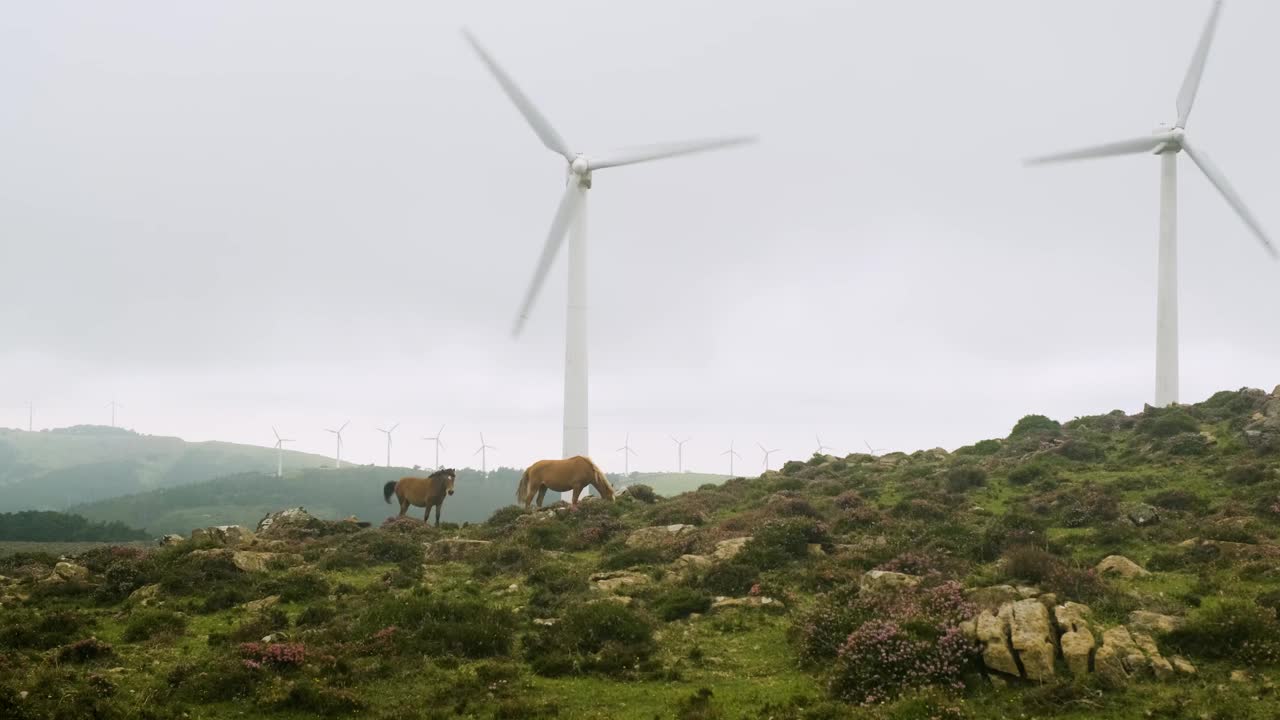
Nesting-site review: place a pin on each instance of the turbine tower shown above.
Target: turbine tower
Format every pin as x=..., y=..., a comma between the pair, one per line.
x=114, y=406
x=571, y=219
x=280, y=451
x=31, y=414
x=732, y=454
x=484, y=455
x=388, y=434
x=1167, y=143
x=821, y=447
x=680, y=452
x=767, y=453
x=627, y=452
x=872, y=450
x=337, y=456
x=438, y=443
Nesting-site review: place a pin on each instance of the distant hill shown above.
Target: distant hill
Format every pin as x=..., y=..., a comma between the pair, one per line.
x=243, y=499
x=53, y=469
x=668, y=484
x=37, y=526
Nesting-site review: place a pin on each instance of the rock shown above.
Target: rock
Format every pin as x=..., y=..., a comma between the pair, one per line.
x=172, y=539
x=1154, y=623
x=753, y=601
x=726, y=549
x=991, y=597
x=1031, y=635
x=1026, y=591
x=452, y=549
x=275, y=637
x=658, y=536
x=265, y=603
x=545, y=622
x=71, y=572
x=231, y=536
x=1240, y=676
x=253, y=561
x=145, y=595
x=612, y=582
x=874, y=581
x=1161, y=667
x=1183, y=665
x=615, y=599
x=1077, y=641
x=282, y=522
x=1141, y=514
x=691, y=563
x=992, y=630
x=815, y=550
x=1121, y=566
x=1119, y=657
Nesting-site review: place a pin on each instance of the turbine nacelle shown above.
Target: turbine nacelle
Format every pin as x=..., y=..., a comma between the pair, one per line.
x=580, y=166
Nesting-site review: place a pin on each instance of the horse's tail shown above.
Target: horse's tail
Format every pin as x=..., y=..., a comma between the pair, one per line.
x=602, y=482
x=388, y=490
x=522, y=490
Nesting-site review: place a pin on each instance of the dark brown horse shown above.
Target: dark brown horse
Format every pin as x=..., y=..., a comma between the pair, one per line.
x=574, y=473
x=427, y=492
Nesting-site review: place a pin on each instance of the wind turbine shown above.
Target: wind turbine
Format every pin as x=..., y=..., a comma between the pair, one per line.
x=872, y=450
x=280, y=451
x=821, y=447
x=767, y=453
x=732, y=454
x=337, y=456
x=113, y=405
x=388, y=434
x=571, y=219
x=680, y=452
x=438, y=443
x=484, y=455
x=1167, y=143
x=627, y=452
x=31, y=414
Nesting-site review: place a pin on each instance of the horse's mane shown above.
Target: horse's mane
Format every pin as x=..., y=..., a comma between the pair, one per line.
x=439, y=474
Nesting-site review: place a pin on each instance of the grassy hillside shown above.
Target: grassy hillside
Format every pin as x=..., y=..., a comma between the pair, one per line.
x=858, y=587
x=54, y=469
x=668, y=484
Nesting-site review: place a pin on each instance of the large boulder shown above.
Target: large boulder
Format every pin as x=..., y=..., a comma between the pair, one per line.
x=876, y=581
x=145, y=595
x=726, y=549
x=659, y=535
x=691, y=563
x=1121, y=566
x=71, y=572
x=1154, y=623
x=289, y=523
x=452, y=549
x=618, y=580
x=991, y=629
x=1141, y=514
x=256, y=562
x=1031, y=635
x=1077, y=642
x=232, y=536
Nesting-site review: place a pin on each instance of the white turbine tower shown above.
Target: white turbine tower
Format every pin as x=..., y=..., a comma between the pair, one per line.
x=31, y=414
x=627, y=452
x=1167, y=142
x=388, y=434
x=484, y=455
x=114, y=406
x=680, y=452
x=821, y=447
x=435, y=440
x=337, y=456
x=571, y=219
x=280, y=451
x=732, y=454
x=767, y=453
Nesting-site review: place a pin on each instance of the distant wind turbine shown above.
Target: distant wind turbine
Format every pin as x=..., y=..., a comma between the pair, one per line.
x=438, y=443
x=113, y=405
x=680, y=452
x=484, y=455
x=767, y=453
x=873, y=451
x=1167, y=142
x=821, y=447
x=280, y=451
x=732, y=454
x=627, y=452
x=31, y=413
x=337, y=456
x=388, y=434
x=571, y=220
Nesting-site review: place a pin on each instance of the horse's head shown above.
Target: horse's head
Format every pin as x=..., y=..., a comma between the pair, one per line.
x=450, y=476
x=606, y=490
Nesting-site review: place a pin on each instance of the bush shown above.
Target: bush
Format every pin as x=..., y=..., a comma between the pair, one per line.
x=779, y=543
x=1166, y=423
x=84, y=651
x=22, y=629
x=553, y=584
x=599, y=637
x=147, y=623
x=316, y=615
x=621, y=557
x=1248, y=474
x=733, y=578
x=1028, y=472
x=425, y=623
x=1191, y=443
x=1029, y=564
x=505, y=517
x=1035, y=425
x=1177, y=499
x=1081, y=450
x=1234, y=630
x=677, y=603
x=377, y=547
x=643, y=493
x=297, y=586
x=965, y=477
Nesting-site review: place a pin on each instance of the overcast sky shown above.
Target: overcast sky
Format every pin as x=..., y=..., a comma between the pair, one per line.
x=228, y=215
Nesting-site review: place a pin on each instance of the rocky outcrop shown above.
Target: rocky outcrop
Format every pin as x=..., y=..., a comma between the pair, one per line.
x=453, y=549
x=255, y=562
x=721, y=604
x=992, y=596
x=231, y=536
x=1154, y=623
x=658, y=536
x=171, y=540
x=1031, y=637
x=875, y=581
x=613, y=582
x=691, y=563
x=265, y=603
x=145, y=595
x=70, y=572
x=726, y=549
x=1077, y=642
x=1120, y=566
x=291, y=523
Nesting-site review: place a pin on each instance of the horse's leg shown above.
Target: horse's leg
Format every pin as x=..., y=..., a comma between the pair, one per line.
x=404, y=507
x=576, y=491
x=438, y=506
x=542, y=491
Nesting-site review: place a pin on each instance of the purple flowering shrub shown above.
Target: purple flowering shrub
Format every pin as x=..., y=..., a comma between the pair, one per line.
x=278, y=656
x=880, y=645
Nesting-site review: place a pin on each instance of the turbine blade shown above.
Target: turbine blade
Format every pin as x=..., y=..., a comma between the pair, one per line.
x=1123, y=147
x=536, y=120
x=344, y=426
x=275, y=432
x=564, y=216
x=1233, y=199
x=1191, y=83
x=645, y=153
x=393, y=427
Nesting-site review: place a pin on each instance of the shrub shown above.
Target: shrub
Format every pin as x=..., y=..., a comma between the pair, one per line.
x=1234, y=630
x=297, y=586
x=620, y=557
x=677, y=603
x=377, y=547
x=1081, y=450
x=1167, y=423
x=1035, y=425
x=28, y=629
x=222, y=598
x=965, y=477
x=276, y=656
x=308, y=696
x=599, y=637
x=981, y=448
x=1028, y=472
x=254, y=627
x=553, y=584
x=316, y=615
x=1248, y=474
x=426, y=623
x=780, y=542
x=733, y=578
x=1030, y=564
x=1177, y=499
x=1009, y=530
x=505, y=517
x=147, y=623
x=218, y=681
x=196, y=574
x=1190, y=443
x=1269, y=600
x=83, y=651
x=698, y=706
x=849, y=500
x=643, y=493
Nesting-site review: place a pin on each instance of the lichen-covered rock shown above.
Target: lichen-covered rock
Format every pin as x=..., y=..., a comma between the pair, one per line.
x=1031, y=635
x=613, y=582
x=452, y=549
x=753, y=601
x=991, y=597
x=1119, y=658
x=231, y=536
x=171, y=539
x=658, y=536
x=265, y=603
x=145, y=595
x=1121, y=566
x=253, y=561
x=726, y=549
x=1077, y=641
x=875, y=581
x=1183, y=665
x=71, y=572
x=691, y=563
x=291, y=522
x=991, y=629
x=1141, y=514
x=1154, y=623
x=1158, y=664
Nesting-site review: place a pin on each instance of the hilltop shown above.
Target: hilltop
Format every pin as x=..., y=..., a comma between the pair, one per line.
x=1111, y=566
x=53, y=469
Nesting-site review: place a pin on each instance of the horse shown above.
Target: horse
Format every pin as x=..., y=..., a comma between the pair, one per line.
x=573, y=473
x=425, y=492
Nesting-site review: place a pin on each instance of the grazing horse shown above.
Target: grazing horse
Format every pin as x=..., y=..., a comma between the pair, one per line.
x=425, y=492
x=573, y=473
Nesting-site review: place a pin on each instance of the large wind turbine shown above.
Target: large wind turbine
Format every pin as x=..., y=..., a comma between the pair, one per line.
x=821, y=447
x=1167, y=142
x=114, y=406
x=388, y=434
x=337, y=456
x=483, y=452
x=627, y=452
x=280, y=451
x=571, y=219
x=438, y=443
x=732, y=454
x=767, y=452
x=680, y=452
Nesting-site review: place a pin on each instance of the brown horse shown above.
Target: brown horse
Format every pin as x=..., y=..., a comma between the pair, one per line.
x=573, y=473
x=425, y=492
